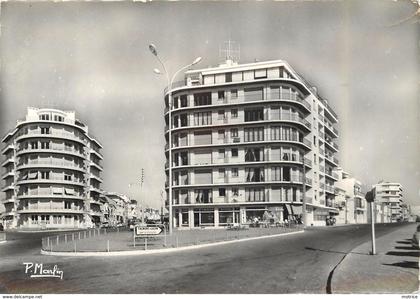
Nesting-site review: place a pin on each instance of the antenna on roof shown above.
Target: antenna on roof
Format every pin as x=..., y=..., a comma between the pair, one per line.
x=230, y=51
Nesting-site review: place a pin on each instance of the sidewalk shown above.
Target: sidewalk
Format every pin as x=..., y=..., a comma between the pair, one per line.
x=124, y=241
x=394, y=269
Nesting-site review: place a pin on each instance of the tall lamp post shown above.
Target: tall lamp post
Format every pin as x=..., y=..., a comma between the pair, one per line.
x=153, y=50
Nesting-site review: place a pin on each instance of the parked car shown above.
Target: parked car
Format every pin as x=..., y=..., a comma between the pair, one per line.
x=105, y=225
x=416, y=238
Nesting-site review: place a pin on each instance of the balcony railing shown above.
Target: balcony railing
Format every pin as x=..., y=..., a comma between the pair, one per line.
x=50, y=163
x=66, y=135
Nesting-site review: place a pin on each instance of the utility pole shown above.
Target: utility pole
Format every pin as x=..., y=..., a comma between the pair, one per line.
x=370, y=198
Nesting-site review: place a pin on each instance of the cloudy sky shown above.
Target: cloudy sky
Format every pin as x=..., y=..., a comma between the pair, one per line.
x=93, y=58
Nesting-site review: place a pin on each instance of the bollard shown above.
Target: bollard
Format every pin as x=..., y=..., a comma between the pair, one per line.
x=58, y=238
x=79, y=235
x=134, y=240
x=145, y=243
x=107, y=245
x=48, y=242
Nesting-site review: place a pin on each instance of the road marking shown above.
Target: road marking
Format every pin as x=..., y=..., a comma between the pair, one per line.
x=154, y=251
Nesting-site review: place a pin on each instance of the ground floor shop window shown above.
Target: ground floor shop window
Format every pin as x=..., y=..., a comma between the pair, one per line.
x=255, y=214
x=203, y=217
x=228, y=216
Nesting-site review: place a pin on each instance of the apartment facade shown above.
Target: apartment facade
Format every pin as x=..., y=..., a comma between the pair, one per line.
x=52, y=172
x=351, y=201
x=249, y=141
x=115, y=208
x=390, y=195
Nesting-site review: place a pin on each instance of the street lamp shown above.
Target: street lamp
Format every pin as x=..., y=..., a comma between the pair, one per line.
x=153, y=50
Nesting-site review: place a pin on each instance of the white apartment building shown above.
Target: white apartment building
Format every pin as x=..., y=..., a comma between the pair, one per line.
x=52, y=172
x=351, y=200
x=390, y=195
x=250, y=140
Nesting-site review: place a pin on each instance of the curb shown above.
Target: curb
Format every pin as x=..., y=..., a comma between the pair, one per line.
x=156, y=251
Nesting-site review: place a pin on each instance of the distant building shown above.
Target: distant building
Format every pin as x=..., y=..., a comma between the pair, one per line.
x=351, y=200
x=52, y=172
x=389, y=197
x=250, y=140
x=116, y=208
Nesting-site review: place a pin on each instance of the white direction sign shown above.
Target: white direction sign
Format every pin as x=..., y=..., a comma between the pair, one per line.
x=145, y=230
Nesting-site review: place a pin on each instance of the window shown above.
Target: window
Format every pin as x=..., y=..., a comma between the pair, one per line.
x=254, y=174
x=67, y=205
x=254, y=114
x=235, y=172
x=221, y=173
x=184, y=101
x=222, y=192
x=234, y=94
x=221, y=115
x=234, y=152
x=234, y=133
x=45, y=130
x=254, y=154
x=221, y=134
x=254, y=134
x=235, y=191
x=201, y=99
x=221, y=95
x=234, y=113
x=44, y=117
x=259, y=74
x=221, y=153
x=202, y=118
x=45, y=145
x=45, y=175
x=58, y=118
x=254, y=94
x=254, y=194
x=228, y=77
x=67, y=177
x=34, y=145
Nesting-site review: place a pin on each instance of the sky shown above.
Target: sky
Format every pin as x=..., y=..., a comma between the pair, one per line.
x=93, y=58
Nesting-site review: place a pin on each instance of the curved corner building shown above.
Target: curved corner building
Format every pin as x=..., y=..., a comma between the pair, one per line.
x=249, y=141
x=53, y=172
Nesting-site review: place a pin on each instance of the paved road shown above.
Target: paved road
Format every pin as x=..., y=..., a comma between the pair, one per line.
x=298, y=263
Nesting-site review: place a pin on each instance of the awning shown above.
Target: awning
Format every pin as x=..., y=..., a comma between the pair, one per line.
x=297, y=210
x=33, y=175
x=57, y=190
x=288, y=209
x=69, y=191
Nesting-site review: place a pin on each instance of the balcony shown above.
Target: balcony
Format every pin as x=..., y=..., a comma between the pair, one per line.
x=51, y=210
x=49, y=181
x=50, y=164
x=331, y=175
x=329, y=188
x=331, y=144
x=52, y=151
x=7, y=148
x=50, y=195
x=38, y=134
x=10, y=173
x=8, y=161
x=332, y=160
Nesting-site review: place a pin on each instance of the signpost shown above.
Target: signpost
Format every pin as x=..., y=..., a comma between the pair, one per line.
x=370, y=198
x=144, y=231
x=147, y=230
